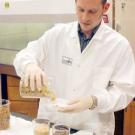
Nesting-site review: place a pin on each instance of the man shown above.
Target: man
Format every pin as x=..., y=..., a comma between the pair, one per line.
x=91, y=65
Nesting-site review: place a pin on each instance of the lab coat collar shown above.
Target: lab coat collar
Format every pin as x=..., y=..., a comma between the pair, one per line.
x=74, y=31
x=98, y=34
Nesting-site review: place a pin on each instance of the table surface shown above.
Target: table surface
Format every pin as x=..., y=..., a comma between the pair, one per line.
x=22, y=125
x=18, y=126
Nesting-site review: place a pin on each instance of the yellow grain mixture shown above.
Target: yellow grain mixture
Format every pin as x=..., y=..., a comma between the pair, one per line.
x=4, y=117
x=41, y=129
x=44, y=92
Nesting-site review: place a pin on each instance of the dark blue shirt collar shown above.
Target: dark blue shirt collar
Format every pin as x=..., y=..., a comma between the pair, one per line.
x=92, y=33
x=83, y=39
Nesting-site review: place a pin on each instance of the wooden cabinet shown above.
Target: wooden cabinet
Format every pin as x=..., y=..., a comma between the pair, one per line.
x=129, y=119
x=21, y=105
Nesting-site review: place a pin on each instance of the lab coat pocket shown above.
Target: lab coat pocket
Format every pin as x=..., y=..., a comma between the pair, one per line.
x=101, y=77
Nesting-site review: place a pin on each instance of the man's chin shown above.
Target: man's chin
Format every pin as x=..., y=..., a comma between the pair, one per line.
x=86, y=29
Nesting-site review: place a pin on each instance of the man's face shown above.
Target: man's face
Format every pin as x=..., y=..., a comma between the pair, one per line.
x=89, y=13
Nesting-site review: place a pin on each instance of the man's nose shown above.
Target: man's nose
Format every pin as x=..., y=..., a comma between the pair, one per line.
x=85, y=17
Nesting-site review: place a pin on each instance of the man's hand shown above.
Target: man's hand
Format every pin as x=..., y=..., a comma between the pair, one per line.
x=34, y=77
x=78, y=105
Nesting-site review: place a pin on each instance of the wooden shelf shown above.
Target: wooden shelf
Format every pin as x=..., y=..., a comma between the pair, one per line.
x=10, y=88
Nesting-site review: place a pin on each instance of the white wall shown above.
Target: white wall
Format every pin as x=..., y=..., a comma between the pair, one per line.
x=125, y=20
x=37, y=7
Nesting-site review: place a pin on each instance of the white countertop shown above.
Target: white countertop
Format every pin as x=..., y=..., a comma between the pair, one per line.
x=20, y=126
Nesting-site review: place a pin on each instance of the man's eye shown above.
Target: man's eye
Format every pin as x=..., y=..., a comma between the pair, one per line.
x=81, y=10
x=92, y=11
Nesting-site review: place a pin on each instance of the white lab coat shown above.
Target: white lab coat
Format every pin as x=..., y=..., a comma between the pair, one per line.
x=105, y=69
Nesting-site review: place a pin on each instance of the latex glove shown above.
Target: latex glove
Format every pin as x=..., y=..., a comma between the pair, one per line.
x=34, y=77
x=78, y=105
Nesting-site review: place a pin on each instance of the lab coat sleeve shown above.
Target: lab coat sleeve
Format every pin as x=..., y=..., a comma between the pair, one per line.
x=35, y=53
x=121, y=89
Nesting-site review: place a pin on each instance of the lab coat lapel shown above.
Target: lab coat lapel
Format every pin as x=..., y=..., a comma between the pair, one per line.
x=74, y=39
x=94, y=43
x=74, y=43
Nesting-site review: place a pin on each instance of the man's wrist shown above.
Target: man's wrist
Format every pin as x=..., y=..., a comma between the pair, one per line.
x=94, y=102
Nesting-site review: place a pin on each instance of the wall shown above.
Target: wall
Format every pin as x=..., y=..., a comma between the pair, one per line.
x=24, y=20
x=15, y=36
x=125, y=19
x=37, y=7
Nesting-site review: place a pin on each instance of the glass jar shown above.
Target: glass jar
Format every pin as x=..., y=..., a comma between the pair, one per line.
x=4, y=114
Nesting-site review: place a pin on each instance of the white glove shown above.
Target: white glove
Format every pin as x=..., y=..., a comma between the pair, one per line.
x=34, y=77
x=78, y=105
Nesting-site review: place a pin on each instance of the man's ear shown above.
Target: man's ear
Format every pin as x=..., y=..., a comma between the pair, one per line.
x=106, y=7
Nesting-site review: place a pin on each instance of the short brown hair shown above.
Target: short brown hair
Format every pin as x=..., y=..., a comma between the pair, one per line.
x=103, y=1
